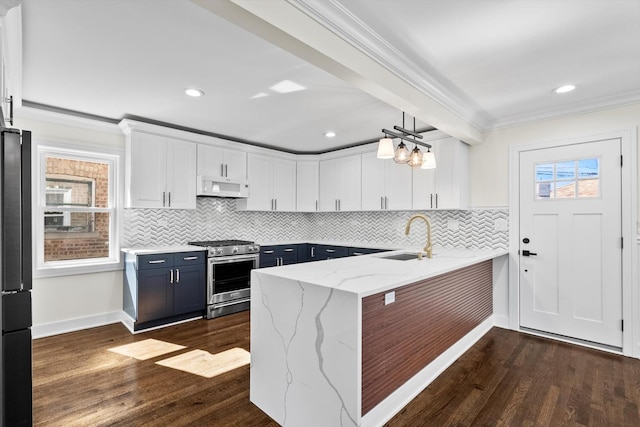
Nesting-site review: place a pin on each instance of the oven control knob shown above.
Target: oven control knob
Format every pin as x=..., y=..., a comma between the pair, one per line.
x=219, y=251
x=235, y=250
x=251, y=248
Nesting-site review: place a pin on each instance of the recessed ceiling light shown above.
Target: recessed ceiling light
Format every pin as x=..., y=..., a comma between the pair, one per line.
x=286, y=86
x=330, y=134
x=194, y=92
x=564, y=89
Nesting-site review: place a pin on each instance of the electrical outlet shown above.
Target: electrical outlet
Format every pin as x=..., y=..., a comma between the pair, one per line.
x=389, y=297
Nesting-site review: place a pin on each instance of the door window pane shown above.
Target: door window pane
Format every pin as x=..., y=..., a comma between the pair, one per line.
x=568, y=179
x=565, y=170
x=544, y=172
x=588, y=168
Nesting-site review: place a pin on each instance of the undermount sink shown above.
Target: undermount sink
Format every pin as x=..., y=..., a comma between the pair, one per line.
x=401, y=257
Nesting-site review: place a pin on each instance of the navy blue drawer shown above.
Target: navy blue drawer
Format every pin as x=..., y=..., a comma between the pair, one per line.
x=146, y=262
x=189, y=258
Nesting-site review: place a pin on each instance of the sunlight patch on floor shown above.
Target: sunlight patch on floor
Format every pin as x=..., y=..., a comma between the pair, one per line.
x=146, y=349
x=205, y=364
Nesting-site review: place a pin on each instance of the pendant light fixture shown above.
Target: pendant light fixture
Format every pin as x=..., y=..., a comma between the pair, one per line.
x=428, y=160
x=385, y=148
x=401, y=154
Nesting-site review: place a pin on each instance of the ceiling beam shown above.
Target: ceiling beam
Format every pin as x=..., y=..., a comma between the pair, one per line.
x=290, y=28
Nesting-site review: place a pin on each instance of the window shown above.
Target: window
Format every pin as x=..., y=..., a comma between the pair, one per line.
x=75, y=223
x=572, y=179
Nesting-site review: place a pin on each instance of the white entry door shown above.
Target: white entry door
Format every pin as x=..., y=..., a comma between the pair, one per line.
x=571, y=241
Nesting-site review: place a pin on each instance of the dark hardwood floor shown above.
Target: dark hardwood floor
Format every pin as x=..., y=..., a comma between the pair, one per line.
x=507, y=378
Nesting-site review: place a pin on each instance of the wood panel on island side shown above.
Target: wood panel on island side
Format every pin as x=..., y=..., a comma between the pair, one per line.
x=506, y=378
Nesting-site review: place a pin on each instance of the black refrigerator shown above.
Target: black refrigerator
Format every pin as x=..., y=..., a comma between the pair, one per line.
x=16, y=407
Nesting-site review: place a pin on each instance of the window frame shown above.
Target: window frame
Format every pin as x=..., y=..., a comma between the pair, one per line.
x=81, y=152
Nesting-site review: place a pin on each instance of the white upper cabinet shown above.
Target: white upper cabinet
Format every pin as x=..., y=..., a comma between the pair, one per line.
x=447, y=186
x=272, y=184
x=160, y=172
x=225, y=164
x=386, y=185
x=307, y=182
x=340, y=184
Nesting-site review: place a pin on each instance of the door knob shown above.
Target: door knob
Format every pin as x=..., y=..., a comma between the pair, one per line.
x=528, y=253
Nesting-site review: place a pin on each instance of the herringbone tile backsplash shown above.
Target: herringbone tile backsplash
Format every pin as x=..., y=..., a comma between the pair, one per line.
x=216, y=219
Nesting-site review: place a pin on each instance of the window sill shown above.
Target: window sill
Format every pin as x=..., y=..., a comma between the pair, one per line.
x=74, y=270
x=58, y=235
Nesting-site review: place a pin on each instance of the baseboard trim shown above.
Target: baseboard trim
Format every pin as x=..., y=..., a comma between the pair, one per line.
x=77, y=324
x=501, y=321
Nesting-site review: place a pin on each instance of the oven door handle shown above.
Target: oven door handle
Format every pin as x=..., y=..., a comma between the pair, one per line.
x=232, y=258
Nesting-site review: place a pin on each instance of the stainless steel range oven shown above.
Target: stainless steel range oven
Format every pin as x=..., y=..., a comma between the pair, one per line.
x=229, y=275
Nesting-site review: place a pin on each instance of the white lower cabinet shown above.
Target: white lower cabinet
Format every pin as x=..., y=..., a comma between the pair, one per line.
x=160, y=172
x=447, y=186
x=272, y=184
x=340, y=184
x=386, y=185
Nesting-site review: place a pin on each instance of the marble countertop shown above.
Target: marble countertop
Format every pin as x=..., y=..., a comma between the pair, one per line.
x=369, y=274
x=148, y=250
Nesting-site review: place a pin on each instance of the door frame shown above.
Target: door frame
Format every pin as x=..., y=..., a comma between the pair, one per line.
x=630, y=286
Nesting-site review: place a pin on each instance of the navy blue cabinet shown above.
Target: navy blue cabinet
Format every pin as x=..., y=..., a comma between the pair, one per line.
x=162, y=288
x=323, y=252
x=275, y=255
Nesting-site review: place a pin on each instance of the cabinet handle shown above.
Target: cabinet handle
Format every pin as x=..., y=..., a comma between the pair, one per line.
x=226, y=171
x=177, y=275
x=331, y=251
x=190, y=258
x=169, y=198
x=316, y=206
x=335, y=202
x=288, y=250
x=381, y=202
x=157, y=261
x=431, y=198
x=436, y=200
x=221, y=169
x=339, y=204
x=268, y=252
x=313, y=251
x=358, y=253
x=171, y=276
x=386, y=202
x=271, y=204
x=276, y=204
x=163, y=199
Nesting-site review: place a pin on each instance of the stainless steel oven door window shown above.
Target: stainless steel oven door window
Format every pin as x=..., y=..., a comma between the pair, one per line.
x=230, y=277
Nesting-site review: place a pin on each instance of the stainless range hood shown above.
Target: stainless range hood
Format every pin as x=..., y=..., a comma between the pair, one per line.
x=219, y=187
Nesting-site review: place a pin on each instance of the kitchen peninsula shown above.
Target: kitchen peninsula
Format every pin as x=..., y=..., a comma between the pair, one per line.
x=351, y=341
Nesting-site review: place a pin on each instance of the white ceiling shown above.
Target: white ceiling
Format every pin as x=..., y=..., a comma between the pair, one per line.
x=491, y=62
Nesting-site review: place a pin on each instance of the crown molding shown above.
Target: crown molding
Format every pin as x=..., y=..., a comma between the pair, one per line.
x=332, y=15
x=37, y=112
x=6, y=5
x=566, y=111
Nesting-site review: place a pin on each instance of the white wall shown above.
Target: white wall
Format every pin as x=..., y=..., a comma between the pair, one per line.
x=73, y=302
x=489, y=161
